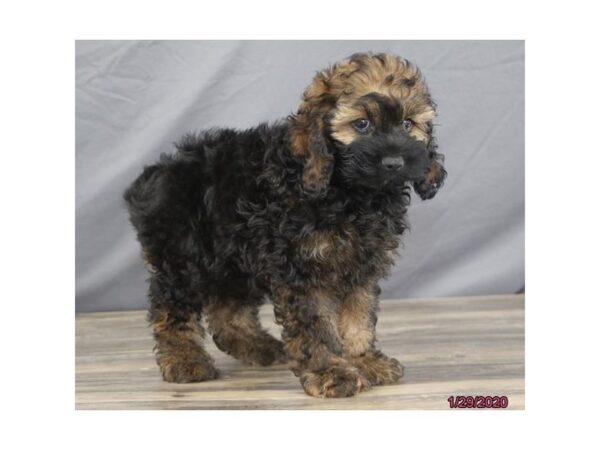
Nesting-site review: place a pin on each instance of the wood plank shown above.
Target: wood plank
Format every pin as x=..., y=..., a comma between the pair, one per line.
x=449, y=346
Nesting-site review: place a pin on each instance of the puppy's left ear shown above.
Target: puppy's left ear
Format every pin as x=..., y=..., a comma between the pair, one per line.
x=435, y=174
x=308, y=139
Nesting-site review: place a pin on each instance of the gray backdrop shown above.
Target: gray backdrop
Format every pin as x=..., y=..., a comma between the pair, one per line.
x=133, y=99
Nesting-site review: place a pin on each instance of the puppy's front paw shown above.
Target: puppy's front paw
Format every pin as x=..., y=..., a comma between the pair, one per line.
x=193, y=371
x=335, y=381
x=379, y=368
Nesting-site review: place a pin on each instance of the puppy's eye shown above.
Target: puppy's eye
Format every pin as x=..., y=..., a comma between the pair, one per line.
x=407, y=124
x=362, y=125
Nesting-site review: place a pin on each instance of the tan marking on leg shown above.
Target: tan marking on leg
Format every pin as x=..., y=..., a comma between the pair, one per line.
x=357, y=328
x=356, y=321
x=179, y=351
x=237, y=331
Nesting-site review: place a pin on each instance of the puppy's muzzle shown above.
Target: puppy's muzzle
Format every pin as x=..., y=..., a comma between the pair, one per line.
x=404, y=157
x=392, y=163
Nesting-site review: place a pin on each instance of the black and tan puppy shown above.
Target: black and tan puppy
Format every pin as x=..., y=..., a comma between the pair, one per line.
x=307, y=212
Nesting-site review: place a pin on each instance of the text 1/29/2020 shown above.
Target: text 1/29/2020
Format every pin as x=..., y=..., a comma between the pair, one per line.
x=479, y=401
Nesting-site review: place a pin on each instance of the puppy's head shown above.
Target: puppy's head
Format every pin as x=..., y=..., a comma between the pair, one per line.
x=367, y=123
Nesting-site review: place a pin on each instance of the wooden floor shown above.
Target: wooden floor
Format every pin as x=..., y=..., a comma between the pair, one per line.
x=451, y=346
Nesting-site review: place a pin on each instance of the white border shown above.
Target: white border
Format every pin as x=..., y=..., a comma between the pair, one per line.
x=37, y=186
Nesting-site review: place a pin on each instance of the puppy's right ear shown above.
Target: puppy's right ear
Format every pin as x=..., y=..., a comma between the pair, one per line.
x=308, y=139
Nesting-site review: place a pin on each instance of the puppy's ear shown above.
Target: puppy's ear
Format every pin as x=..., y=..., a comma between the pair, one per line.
x=308, y=139
x=435, y=174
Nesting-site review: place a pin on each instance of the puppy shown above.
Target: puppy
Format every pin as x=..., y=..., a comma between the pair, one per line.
x=307, y=211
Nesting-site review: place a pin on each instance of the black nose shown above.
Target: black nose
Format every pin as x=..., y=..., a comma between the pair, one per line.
x=393, y=163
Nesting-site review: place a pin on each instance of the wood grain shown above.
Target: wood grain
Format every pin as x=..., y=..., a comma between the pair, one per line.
x=450, y=346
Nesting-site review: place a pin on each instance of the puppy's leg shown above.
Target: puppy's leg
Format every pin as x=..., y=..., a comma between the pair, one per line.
x=236, y=330
x=314, y=347
x=178, y=334
x=358, y=316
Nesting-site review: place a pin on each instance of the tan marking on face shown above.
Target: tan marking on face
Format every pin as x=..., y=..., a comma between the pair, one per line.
x=341, y=123
x=342, y=128
x=421, y=113
x=333, y=94
x=388, y=75
x=422, y=117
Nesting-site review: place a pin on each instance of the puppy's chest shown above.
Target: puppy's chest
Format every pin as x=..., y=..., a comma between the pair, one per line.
x=330, y=247
x=343, y=250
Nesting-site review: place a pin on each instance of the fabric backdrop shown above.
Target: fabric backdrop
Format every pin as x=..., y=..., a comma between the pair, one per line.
x=135, y=98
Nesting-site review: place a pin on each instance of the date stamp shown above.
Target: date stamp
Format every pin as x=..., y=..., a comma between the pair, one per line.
x=478, y=401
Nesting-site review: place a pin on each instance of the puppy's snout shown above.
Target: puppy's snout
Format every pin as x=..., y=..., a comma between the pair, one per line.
x=392, y=163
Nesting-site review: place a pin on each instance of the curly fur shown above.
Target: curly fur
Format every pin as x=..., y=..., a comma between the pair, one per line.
x=299, y=211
